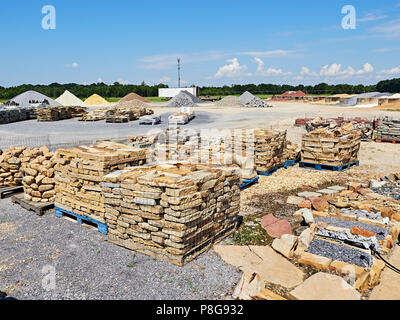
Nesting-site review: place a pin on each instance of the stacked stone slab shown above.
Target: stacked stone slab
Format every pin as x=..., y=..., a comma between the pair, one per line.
x=388, y=129
x=171, y=211
x=334, y=147
x=14, y=115
x=11, y=161
x=38, y=180
x=80, y=171
x=126, y=113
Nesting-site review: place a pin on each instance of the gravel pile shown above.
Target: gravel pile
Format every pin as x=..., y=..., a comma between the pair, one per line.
x=363, y=214
x=340, y=252
x=69, y=99
x=380, y=232
x=352, y=239
x=353, y=100
x=31, y=97
x=229, y=101
x=389, y=190
x=249, y=100
x=184, y=99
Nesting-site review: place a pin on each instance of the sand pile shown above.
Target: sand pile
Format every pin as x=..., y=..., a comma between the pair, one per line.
x=229, y=101
x=95, y=99
x=133, y=96
x=184, y=99
x=69, y=99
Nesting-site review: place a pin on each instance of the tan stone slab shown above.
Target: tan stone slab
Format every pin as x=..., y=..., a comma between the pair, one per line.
x=274, y=268
x=388, y=289
x=237, y=256
x=324, y=286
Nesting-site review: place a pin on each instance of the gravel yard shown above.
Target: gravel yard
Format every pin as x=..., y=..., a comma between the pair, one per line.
x=88, y=267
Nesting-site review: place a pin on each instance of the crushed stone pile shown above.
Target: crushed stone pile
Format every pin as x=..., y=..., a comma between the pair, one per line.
x=354, y=100
x=133, y=96
x=30, y=98
x=95, y=99
x=69, y=99
x=229, y=101
x=249, y=100
x=184, y=99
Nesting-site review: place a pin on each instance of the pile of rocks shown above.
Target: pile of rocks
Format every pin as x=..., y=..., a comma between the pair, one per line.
x=249, y=100
x=38, y=180
x=127, y=111
x=334, y=147
x=229, y=101
x=388, y=129
x=366, y=127
x=54, y=113
x=15, y=115
x=95, y=115
x=184, y=99
x=80, y=172
x=173, y=212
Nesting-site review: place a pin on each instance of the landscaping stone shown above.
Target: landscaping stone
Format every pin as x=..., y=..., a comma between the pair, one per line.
x=237, y=256
x=318, y=262
x=305, y=204
x=285, y=245
x=308, y=216
x=323, y=286
x=294, y=200
x=320, y=204
x=275, y=227
x=274, y=268
x=336, y=188
x=388, y=288
x=306, y=194
x=327, y=191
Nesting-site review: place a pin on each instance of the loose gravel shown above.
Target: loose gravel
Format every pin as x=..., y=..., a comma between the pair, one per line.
x=380, y=232
x=389, y=190
x=340, y=252
x=363, y=214
x=89, y=267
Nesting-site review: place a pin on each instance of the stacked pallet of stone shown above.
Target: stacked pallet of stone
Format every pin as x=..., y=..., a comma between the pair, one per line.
x=121, y=113
x=53, y=113
x=13, y=115
x=77, y=111
x=80, y=171
x=388, y=129
x=11, y=161
x=38, y=180
x=292, y=151
x=334, y=147
x=171, y=211
x=95, y=115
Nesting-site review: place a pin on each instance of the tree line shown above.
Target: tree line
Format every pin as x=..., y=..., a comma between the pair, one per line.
x=119, y=90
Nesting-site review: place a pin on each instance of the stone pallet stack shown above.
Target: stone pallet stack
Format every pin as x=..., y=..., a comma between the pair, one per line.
x=11, y=161
x=80, y=171
x=171, y=211
x=14, y=115
x=334, y=147
x=122, y=113
x=38, y=180
x=388, y=129
x=54, y=113
x=95, y=115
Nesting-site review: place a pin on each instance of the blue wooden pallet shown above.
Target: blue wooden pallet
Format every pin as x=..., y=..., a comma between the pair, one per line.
x=101, y=227
x=276, y=168
x=325, y=167
x=248, y=183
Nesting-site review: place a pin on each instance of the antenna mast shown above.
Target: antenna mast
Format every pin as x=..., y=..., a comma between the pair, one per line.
x=179, y=72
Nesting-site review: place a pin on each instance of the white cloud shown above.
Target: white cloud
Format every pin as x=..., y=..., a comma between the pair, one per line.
x=99, y=80
x=394, y=70
x=390, y=29
x=165, y=79
x=270, y=71
x=122, y=81
x=231, y=70
x=371, y=17
x=307, y=72
x=334, y=70
x=74, y=65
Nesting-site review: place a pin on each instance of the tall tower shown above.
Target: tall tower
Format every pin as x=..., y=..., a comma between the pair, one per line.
x=179, y=72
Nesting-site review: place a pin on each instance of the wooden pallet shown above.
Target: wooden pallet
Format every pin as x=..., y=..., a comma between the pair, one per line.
x=326, y=167
x=86, y=221
x=387, y=140
x=276, y=168
x=39, y=208
x=248, y=182
x=8, y=191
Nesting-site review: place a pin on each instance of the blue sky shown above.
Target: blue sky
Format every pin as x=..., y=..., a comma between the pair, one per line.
x=220, y=42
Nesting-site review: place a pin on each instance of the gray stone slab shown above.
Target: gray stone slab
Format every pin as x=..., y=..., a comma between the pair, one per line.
x=307, y=194
x=337, y=188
